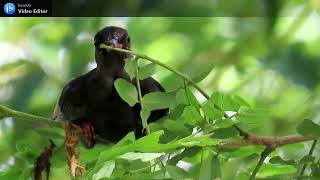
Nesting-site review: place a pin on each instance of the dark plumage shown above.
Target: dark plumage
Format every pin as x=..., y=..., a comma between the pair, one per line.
x=91, y=100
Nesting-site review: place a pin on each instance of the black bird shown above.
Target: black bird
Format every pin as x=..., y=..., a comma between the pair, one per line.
x=91, y=100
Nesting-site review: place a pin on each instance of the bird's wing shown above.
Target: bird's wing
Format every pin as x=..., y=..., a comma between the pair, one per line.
x=72, y=103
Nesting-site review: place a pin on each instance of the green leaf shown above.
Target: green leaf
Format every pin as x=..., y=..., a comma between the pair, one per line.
x=316, y=171
x=203, y=74
x=11, y=173
x=225, y=101
x=215, y=167
x=85, y=155
x=105, y=171
x=130, y=67
x=172, y=83
x=223, y=133
x=192, y=98
x=307, y=159
x=217, y=99
x=212, y=112
x=210, y=167
x=127, y=91
x=176, y=112
x=279, y=160
x=308, y=128
x=158, y=100
x=191, y=116
x=32, y=143
x=176, y=128
x=144, y=176
x=144, y=114
x=128, y=139
x=240, y=101
x=244, y=151
x=176, y=172
x=57, y=134
x=229, y=104
x=200, y=141
x=145, y=157
x=252, y=118
x=149, y=143
x=267, y=170
x=224, y=123
x=205, y=170
x=117, y=149
x=181, y=97
x=147, y=71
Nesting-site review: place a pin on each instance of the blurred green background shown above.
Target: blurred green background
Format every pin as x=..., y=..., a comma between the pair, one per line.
x=272, y=62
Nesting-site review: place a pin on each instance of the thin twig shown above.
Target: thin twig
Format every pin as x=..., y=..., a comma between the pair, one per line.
x=263, y=156
x=186, y=93
x=139, y=91
x=313, y=146
x=7, y=112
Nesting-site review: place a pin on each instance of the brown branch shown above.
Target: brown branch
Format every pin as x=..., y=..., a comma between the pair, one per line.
x=43, y=162
x=268, y=141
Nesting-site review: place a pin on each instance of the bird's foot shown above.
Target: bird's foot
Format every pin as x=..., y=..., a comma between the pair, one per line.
x=88, y=134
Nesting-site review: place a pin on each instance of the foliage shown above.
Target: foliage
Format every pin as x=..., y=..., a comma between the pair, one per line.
x=264, y=78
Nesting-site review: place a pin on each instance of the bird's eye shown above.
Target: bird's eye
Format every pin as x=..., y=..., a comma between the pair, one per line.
x=128, y=39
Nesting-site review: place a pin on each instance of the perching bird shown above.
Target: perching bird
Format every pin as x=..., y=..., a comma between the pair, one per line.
x=91, y=100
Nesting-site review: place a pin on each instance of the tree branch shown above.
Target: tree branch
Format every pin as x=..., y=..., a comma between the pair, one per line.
x=268, y=141
x=7, y=112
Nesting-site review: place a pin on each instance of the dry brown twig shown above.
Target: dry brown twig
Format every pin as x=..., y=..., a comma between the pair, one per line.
x=43, y=162
x=71, y=144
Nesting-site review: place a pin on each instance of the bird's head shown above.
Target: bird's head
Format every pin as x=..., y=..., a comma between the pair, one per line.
x=112, y=36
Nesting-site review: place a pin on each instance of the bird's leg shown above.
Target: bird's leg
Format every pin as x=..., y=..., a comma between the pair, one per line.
x=88, y=134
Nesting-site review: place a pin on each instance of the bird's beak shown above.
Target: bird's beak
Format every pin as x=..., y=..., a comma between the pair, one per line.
x=113, y=43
